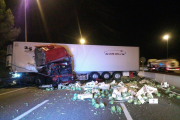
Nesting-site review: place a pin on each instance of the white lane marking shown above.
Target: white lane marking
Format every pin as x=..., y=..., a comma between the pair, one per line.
x=12, y=91
x=27, y=112
x=128, y=116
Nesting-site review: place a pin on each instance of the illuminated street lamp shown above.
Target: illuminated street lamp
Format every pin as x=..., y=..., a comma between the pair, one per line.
x=25, y=23
x=166, y=37
x=82, y=41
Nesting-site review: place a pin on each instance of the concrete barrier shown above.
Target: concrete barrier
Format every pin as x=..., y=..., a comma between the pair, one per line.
x=161, y=78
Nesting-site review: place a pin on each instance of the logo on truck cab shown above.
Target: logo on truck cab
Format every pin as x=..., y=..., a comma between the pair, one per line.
x=28, y=49
x=115, y=52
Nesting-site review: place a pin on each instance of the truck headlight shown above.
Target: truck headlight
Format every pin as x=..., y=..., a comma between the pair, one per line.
x=16, y=75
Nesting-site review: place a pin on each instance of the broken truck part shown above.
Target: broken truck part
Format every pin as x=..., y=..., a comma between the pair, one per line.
x=45, y=63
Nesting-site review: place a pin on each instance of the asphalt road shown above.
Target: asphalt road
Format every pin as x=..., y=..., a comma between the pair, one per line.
x=31, y=103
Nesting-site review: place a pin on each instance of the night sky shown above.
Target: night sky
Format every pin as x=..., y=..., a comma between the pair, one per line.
x=103, y=22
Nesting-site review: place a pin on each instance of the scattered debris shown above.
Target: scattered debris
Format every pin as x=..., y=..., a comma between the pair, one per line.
x=178, y=96
x=113, y=82
x=153, y=101
x=93, y=102
x=132, y=92
x=167, y=90
x=118, y=108
x=96, y=96
x=146, y=90
x=158, y=94
x=118, y=92
x=172, y=87
x=78, y=84
x=84, y=96
x=121, y=84
x=90, y=85
x=111, y=102
x=104, y=86
x=46, y=86
x=165, y=85
x=144, y=81
x=141, y=99
x=95, y=90
x=132, y=85
x=137, y=102
x=171, y=95
x=75, y=97
x=50, y=89
x=102, y=105
x=113, y=109
x=130, y=100
x=26, y=104
x=96, y=105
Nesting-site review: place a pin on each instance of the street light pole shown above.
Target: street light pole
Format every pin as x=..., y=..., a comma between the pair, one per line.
x=166, y=37
x=167, y=48
x=25, y=24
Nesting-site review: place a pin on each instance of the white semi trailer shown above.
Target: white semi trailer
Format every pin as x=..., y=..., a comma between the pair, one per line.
x=88, y=61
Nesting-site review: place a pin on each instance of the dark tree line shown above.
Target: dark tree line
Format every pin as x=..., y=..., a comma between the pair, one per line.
x=8, y=33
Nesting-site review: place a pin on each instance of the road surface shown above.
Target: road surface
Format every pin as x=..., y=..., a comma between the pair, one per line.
x=31, y=103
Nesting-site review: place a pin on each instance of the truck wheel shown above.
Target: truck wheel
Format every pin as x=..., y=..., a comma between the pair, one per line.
x=117, y=75
x=105, y=75
x=39, y=80
x=94, y=75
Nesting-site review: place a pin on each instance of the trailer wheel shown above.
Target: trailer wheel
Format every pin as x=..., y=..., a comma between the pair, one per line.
x=117, y=75
x=39, y=80
x=105, y=75
x=94, y=75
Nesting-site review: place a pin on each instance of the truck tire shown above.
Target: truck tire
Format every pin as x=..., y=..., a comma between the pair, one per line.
x=117, y=75
x=94, y=76
x=106, y=76
x=39, y=80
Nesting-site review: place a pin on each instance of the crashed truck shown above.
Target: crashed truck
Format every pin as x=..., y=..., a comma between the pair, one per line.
x=46, y=63
x=163, y=65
